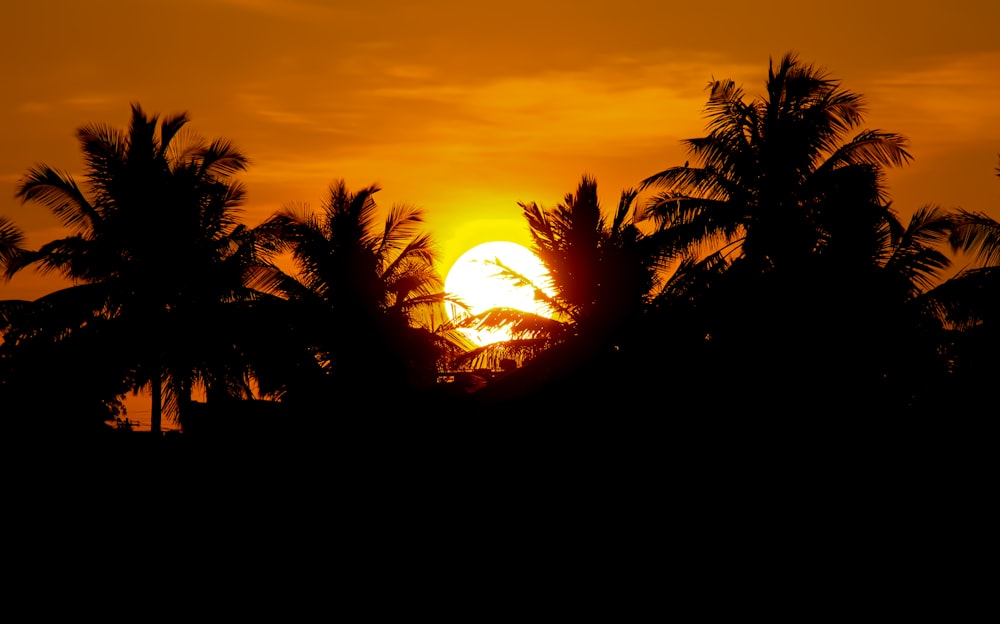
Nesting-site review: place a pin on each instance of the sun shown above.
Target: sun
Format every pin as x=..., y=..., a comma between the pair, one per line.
x=475, y=279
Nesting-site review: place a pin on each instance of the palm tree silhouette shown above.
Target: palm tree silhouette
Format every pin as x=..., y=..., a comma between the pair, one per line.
x=156, y=246
x=367, y=291
x=971, y=304
x=780, y=179
x=604, y=273
x=891, y=317
x=47, y=344
x=788, y=200
x=49, y=379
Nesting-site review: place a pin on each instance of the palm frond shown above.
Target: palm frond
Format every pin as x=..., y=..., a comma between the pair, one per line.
x=354, y=216
x=539, y=225
x=272, y=280
x=518, y=322
x=60, y=193
x=104, y=151
x=143, y=145
x=930, y=226
x=170, y=127
x=402, y=225
x=626, y=211
x=11, y=242
x=977, y=234
x=541, y=292
x=876, y=147
x=493, y=355
x=917, y=257
x=222, y=158
x=690, y=277
x=968, y=299
x=411, y=286
x=418, y=251
x=74, y=257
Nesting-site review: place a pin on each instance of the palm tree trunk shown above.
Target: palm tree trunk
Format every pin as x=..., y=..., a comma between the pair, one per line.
x=156, y=389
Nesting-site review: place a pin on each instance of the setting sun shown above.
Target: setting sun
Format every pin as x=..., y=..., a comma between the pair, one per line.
x=321, y=229
x=476, y=278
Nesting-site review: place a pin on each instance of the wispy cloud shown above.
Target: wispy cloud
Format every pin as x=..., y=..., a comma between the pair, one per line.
x=286, y=9
x=954, y=100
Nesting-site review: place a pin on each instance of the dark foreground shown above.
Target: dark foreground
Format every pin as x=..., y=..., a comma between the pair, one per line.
x=606, y=517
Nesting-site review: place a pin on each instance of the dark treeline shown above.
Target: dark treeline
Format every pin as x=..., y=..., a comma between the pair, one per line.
x=767, y=280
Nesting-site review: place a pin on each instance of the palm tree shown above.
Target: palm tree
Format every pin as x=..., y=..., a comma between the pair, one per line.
x=971, y=304
x=366, y=291
x=780, y=178
x=604, y=273
x=157, y=242
x=54, y=377
x=45, y=344
x=817, y=271
x=890, y=317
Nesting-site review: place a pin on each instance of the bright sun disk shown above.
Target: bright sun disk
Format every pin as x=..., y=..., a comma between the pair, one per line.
x=475, y=279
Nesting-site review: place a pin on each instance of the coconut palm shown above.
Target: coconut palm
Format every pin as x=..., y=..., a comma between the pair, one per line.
x=44, y=345
x=156, y=239
x=891, y=319
x=825, y=344
x=602, y=271
x=604, y=274
x=971, y=301
x=367, y=292
x=53, y=373
x=824, y=292
x=779, y=178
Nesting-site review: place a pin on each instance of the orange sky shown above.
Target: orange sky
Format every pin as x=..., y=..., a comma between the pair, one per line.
x=465, y=108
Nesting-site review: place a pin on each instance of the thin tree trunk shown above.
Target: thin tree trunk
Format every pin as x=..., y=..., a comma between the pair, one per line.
x=156, y=389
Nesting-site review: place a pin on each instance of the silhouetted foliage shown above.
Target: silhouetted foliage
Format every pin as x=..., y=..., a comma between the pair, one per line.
x=156, y=241
x=602, y=274
x=58, y=381
x=771, y=278
x=607, y=276
x=971, y=305
x=821, y=305
x=11, y=241
x=366, y=292
x=780, y=180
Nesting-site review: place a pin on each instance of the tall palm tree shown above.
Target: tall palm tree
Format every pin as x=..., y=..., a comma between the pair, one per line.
x=604, y=274
x=156, y=238
x=779, y=177
x=818, y=270
x=602, y=271
x=366, y=290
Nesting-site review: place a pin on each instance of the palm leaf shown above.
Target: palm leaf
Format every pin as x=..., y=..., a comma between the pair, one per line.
x=493, y=355
x=60, y=193
x=11, y=242
x=977, y=234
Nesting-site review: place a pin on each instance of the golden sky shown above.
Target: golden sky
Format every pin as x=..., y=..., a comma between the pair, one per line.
x=466, y=107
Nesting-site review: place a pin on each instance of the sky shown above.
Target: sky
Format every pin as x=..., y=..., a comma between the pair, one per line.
x=466, y=108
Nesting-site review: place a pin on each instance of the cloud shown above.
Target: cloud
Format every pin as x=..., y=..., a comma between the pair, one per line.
x=942, y=104
x=286, y=9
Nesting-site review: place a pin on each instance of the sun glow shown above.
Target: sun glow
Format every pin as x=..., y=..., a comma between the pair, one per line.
x=477, y=280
